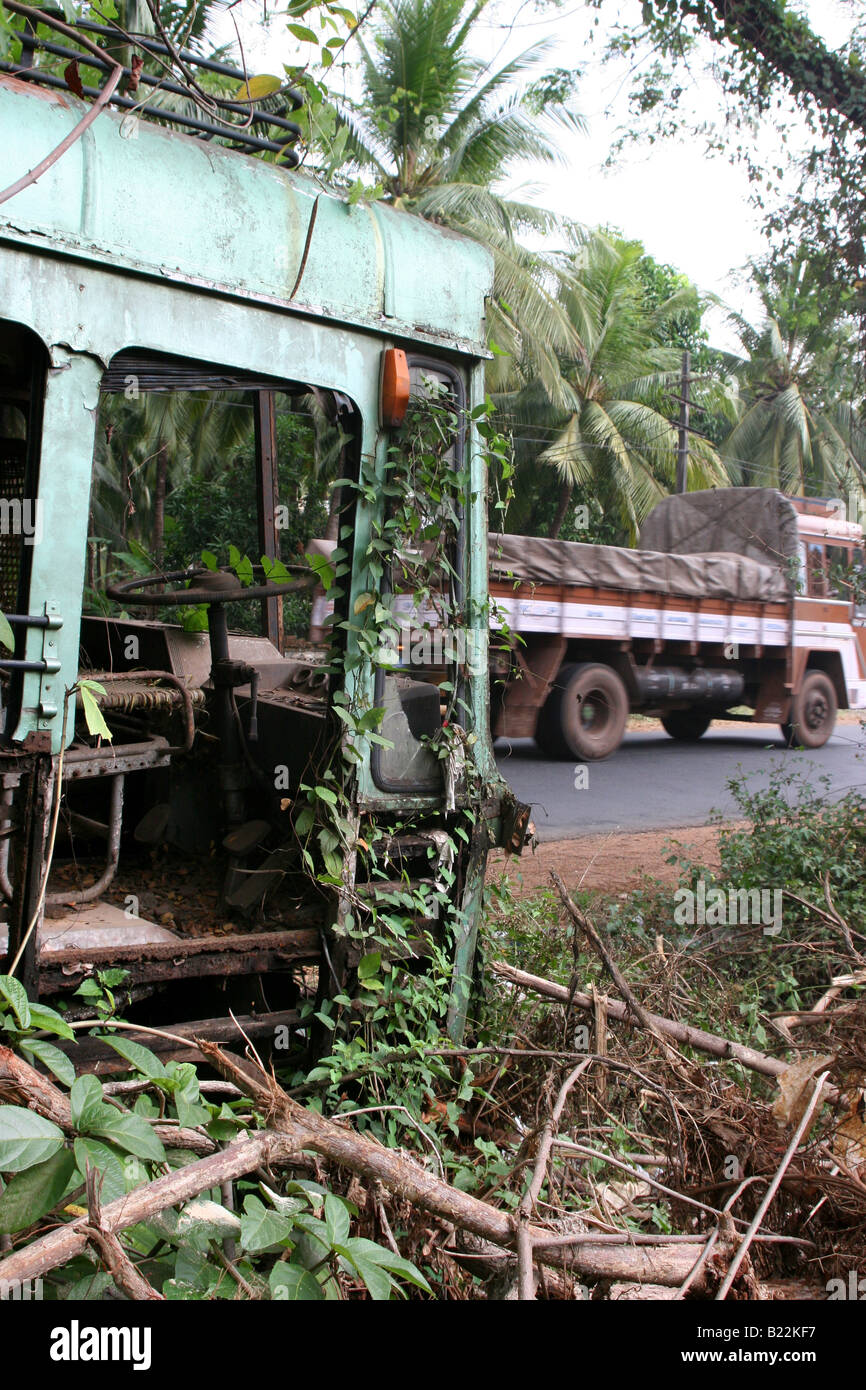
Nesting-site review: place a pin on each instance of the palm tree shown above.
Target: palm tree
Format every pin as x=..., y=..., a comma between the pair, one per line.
x=439, y=132
x=796, y=429
x=148, y=445
x=612, y=435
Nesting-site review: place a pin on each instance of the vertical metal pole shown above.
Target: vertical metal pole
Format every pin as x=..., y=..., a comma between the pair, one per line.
x=30, y=867
x=683, y=445
x=266, y=502
x=26, y=60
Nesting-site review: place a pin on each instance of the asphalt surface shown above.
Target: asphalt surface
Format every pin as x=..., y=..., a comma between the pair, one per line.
x=653, y=783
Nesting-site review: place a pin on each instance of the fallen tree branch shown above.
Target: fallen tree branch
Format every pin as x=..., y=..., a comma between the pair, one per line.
x=830, y=914
x=293, y=1129
x=799, y=1133
x=404, y=1177
x=526, y=1278
x=144, y=1202
x=110, y=1251
x=635, y=1008
x=680, y=1032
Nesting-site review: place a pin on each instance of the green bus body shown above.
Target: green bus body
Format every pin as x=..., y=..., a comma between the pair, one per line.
x=140, y=239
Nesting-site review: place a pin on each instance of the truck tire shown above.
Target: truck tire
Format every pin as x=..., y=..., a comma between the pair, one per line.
x=813, y=712
x=585, y=714
x=686, y=725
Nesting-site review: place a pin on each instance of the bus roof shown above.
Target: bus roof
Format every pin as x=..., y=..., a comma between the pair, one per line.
x=146, y=200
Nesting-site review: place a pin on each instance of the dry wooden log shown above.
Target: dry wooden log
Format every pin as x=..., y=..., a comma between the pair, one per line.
x=291, y=1129
x=583, y=922
x=679, y=1032
x=115, y=1259
x=409, y=1181
x=21, y=1084
x=65, y=1242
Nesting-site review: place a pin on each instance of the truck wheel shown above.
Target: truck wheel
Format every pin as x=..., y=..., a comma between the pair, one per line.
x=686, y=725
x=585, y=714
x=813, y=712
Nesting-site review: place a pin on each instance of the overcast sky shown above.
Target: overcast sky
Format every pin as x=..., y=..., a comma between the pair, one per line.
x=691, y=210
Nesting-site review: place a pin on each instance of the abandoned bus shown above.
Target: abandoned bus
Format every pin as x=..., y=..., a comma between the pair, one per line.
x=226, y=814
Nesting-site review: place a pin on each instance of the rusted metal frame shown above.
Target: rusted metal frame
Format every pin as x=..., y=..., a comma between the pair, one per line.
x=115, y=820
x=30, y=869
x=84, y=763
x=208, y=956
x=10, y=781
x=266, y=504
x=170, y=679
x=97, y=1056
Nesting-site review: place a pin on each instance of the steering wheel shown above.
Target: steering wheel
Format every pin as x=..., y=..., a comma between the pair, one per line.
x=209, y=586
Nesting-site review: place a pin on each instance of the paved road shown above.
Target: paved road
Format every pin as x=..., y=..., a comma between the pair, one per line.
x=653, y=783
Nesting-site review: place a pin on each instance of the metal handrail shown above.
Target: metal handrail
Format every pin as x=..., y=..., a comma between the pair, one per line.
x=236, y=135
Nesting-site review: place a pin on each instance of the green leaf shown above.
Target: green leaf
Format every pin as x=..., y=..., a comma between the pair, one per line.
x=91, y=1288
x=292, y=1284
x=369, y=965
x=7, y=636
x=43, y=1017
x=241, y=564
x=209, y=560
x=86, y=1102
x=254, y=88
x=376, y=1279
x=185, y=1094
x=337, y=1220
x=32, y=1193
x=106, y=1162
x=261, y=1227
x=301, y=32
x=132, y=1133
x=208, y=1219
x=380, y=1255
x=26, y=1139
x=50, y=1057
x=14, y=991
x=89, y=989
x=322, y=569
x=288, y=1206
x=112, y=978
x=92, y=713
x=141, y=1058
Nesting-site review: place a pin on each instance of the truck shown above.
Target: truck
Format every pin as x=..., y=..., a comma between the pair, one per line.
x=739, y=603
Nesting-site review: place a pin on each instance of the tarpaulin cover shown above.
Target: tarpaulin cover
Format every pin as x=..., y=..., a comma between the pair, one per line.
x=758, y=522
x=733, y=573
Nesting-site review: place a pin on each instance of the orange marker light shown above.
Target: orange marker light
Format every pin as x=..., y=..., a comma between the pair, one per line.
x=395, y=387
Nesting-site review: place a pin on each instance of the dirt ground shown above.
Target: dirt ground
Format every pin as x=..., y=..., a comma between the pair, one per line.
x=614, y=862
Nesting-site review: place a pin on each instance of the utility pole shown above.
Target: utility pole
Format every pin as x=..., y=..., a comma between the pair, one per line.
x=683, y=446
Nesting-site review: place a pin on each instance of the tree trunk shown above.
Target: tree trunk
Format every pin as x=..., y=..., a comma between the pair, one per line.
x=125, y=492
x=332, y=531
x=159, y=502
x=565, y=491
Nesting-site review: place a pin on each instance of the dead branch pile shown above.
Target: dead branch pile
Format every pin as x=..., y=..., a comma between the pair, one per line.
x=647, y=1158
